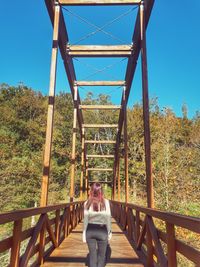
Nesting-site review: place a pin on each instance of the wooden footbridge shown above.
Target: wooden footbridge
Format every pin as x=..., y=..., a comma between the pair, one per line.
x=142, y=236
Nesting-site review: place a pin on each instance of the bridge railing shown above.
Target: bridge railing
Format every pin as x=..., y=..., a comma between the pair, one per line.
x=53, y=224
x=156, y=234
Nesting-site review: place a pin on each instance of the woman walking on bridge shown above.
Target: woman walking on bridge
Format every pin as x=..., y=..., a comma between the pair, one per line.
x=97, y=225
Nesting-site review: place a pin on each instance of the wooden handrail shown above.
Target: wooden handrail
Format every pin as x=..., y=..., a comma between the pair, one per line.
x=129, y=217
x=21, y=214
x=137, y=230
x=64, y=222
x=188, y=222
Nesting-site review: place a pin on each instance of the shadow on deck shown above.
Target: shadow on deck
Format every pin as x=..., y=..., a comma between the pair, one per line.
x=73, y=252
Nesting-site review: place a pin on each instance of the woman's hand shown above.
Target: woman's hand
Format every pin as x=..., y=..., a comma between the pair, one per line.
x=109, y=235
x=84, y=236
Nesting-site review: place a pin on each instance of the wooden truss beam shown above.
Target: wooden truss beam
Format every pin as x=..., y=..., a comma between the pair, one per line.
x=50, y=112
x=73, y=156
x=100, y=142
x=99, y=2
x=99, y=50
x=68, y=63
x=100, y=125
x=100, y=83
x=101, y=156
x=92, y=107
x=100, y=169
x=131, y=66
x=146, y=119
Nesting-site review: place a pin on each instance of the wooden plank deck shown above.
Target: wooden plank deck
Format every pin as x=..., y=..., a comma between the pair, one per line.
x=72, y=252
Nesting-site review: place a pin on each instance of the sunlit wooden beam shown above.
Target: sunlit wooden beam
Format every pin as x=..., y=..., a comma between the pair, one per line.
x=100, y=125
x=100, y=142
x=99, y=50
x=93, y=107
x=100, y=156
x=99, y=2
x=100, y=83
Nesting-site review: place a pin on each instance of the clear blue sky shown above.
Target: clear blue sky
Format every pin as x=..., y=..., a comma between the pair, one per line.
x=173, y=43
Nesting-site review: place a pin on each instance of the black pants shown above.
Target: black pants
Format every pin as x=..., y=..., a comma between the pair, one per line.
x=97, y=240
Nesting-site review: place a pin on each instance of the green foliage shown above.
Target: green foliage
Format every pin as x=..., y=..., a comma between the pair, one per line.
x=175, y=147
x=22, y=134
x=175, y=151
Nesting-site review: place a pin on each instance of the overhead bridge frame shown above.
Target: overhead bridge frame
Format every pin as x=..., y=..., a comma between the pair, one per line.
x=54, y=223
x=61, y=41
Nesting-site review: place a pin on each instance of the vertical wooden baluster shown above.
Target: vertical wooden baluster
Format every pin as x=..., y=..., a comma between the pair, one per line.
x=149, y=247
x=171, y=245
x=42, y=244
x=15, y=249
x=129, y=224
x=65, y=224
x=57, y=224
x=137, y=225
x=113, y=194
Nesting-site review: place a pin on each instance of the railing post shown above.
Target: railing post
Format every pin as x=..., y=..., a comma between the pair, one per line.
x=171, y=245
x=149, y=247
x=68, y=220
x=137, y=219
x=65, y=224
x=50, y=114
x=113, y=196
x=147, y=138
x=73, y=158
x=118, y=179
x=57, y=224
x=42, y=244
x=15, y=250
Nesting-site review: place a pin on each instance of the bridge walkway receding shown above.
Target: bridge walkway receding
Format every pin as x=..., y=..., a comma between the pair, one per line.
x=73, y=252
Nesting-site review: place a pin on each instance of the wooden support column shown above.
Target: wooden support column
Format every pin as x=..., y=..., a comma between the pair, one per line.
x=118, y=179
x=73, y=158
x=82, y=162
x=86, y=179
x=50, y=114
x=125, y=149
x=147, y=139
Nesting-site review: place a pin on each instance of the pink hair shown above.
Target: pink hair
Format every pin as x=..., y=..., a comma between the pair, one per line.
x=96, y=198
